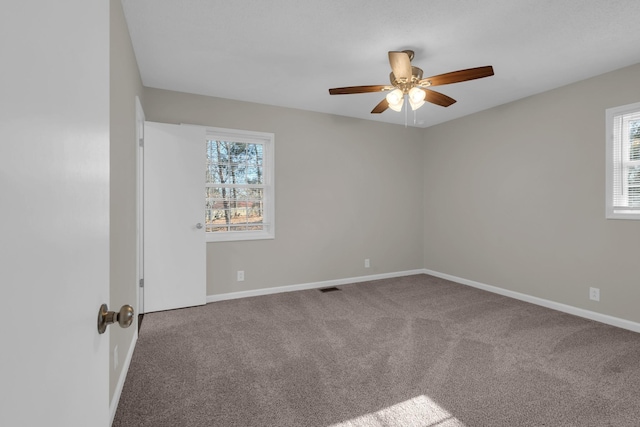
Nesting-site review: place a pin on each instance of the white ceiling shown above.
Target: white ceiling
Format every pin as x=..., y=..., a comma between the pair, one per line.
x=290, y=52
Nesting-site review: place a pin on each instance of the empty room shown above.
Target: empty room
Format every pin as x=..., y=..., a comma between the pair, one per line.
x=330, y=213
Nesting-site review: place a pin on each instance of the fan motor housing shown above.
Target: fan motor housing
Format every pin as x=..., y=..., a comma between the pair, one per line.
x=416, y=76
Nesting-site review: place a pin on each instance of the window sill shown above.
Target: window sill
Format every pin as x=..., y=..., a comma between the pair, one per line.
x=623, y=215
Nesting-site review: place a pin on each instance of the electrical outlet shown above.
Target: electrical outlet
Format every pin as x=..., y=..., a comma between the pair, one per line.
x=240, y=275
x=115, y=358
x=594, y=294
x=367, y=264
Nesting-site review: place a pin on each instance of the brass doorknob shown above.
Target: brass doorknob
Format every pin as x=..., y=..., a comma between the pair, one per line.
x=105, y=317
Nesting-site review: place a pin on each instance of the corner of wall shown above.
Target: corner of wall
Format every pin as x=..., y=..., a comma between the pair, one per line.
x=125, y=84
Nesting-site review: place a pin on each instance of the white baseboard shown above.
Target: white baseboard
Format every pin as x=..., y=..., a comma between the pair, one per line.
x=123, y=375
x=313, y=285
x=580, y=312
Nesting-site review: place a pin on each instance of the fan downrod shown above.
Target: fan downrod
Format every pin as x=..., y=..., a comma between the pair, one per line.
x=410, y=53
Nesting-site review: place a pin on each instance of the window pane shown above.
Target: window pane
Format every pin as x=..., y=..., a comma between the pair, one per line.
x=233, y=213
x=217, y=173
x=254, y=175
x=634, y=138
x=236, y=174
x=634, y=197
x=633, y=177
x=213, y=192
x=215, y=228
x=214, y=216
x=234, y=163
x=255, y=194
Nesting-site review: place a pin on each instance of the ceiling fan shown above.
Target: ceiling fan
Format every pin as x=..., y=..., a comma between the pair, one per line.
x=407, y=80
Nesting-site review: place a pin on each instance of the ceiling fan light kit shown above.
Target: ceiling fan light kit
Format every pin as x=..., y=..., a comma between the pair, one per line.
x=395, y=98
x=416, y=97
x=407, y=81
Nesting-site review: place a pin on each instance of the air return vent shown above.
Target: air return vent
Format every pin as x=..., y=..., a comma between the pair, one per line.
x=331, y=289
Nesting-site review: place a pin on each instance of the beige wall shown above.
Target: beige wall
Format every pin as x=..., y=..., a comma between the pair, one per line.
x=346, y=190
x=515, y=198
x=125, y=84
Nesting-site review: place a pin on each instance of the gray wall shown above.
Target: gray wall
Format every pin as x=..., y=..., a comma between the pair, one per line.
x=125, y=84
x=515, y=198
x=346, y=190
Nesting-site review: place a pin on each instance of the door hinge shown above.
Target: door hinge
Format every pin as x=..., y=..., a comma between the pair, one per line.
x=142, y=283
x=141, y=142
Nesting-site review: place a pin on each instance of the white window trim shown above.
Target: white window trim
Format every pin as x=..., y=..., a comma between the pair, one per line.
x=268, y=139
x=613, y=212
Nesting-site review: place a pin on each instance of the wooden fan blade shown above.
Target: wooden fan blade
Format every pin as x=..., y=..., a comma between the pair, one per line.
x=383, y=105
x=400, y=65
x=458, y=76
x=357, y=89
x=438, y=98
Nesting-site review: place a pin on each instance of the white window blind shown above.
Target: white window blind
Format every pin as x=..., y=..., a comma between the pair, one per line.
x=623, y=162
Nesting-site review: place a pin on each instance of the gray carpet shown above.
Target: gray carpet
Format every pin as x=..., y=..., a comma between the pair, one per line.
x=412, y=351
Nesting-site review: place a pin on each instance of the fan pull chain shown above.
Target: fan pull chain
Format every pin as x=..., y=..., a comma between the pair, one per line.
x=405, y=110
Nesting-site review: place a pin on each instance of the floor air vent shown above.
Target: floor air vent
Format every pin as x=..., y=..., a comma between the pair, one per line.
x=331, y=289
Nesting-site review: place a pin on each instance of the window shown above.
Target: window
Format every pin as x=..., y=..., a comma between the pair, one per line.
x=623, y=162
x=239, y=189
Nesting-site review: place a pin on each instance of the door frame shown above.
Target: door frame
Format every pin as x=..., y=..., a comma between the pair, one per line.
x=140, y=118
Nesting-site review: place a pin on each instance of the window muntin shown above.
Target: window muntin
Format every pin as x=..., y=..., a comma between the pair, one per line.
x=623, y=162
x=239, y=185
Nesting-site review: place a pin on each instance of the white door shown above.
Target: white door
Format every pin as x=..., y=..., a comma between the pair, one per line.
x=54, y=216
x=174, y=236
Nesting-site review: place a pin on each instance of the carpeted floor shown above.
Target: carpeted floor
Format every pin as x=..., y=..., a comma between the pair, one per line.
x=412, y=351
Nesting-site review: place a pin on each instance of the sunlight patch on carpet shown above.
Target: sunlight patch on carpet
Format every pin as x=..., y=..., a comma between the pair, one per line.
x=420, y=411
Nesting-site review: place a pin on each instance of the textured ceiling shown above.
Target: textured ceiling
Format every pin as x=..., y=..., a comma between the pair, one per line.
x=290, y=52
